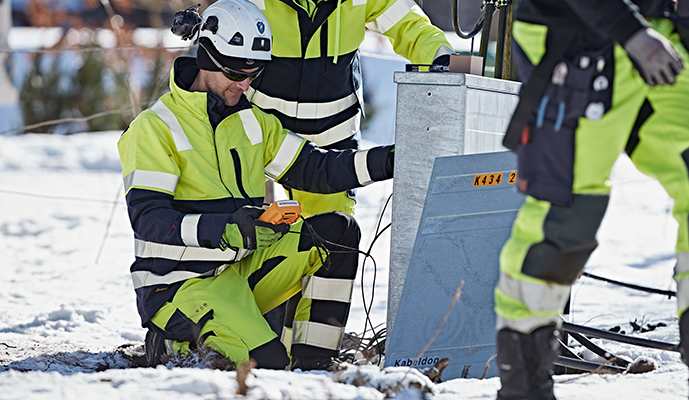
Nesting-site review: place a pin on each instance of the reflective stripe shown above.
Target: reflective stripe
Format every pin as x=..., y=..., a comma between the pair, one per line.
x=317, y=334
x=180, y=138
x=361, y=168
x=251, y=126
x=337, y=133
x=261, y=4
x=537, y=297
x=147, y=278
x=188, y=229
x=527, y=325
x=391, y=16
x=151, y=179
x=286, y=338
x=358, y=2
x=144, y=249
x=169, y=346
x=682, y=278
x=283, y=159
x=443, y=51
x=299, y=110
x=331, y=289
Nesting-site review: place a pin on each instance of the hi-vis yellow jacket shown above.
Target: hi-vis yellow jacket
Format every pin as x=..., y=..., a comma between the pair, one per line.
x=313, y=83
x=189, y=162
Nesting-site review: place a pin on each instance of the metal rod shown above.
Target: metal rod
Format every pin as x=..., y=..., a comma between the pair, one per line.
x=489, y=9
x=598, y=350
x=601, y=334
x=668, y=293
x=588, y=366
x=500, y=48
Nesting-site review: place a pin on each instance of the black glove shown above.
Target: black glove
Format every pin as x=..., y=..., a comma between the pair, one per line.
x=655, y=58
x=440, y=64
x=390, y=162
x=244, y=231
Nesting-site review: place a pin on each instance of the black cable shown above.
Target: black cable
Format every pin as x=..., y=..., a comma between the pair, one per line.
x=668, y=293
x=367, y=311
x=320, y=243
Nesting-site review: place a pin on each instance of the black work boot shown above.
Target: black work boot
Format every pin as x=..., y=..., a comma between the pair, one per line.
x=684, y=337
x=512, y=367
x=545, y=349
x=525, y=363
x=312, y=363
x=155, y=348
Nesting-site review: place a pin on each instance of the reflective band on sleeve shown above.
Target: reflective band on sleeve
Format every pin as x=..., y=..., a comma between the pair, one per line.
x=180, y=138
x=527, y=325
x=331, y=289
x=151, y=179
x=283, y=159
x=286, y=338
x=146, y=278
x=144, y=249
x=251, y=126
x=337, y=133
x=358, y=2
x=301, y=110
x=443, y=51
x=189, y=228
x=317, y=334
x=361, y=168
x=391, y=16
x=537, y=297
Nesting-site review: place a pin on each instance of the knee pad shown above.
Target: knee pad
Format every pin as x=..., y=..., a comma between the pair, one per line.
x=333, y=228
x=569, y=239
x=271, y=355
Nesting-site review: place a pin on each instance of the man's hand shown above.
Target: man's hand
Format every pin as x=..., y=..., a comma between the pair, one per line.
x=244, y=231
x=654, y=57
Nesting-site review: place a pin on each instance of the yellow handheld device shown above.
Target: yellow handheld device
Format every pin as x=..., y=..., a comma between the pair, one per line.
x=282, y=211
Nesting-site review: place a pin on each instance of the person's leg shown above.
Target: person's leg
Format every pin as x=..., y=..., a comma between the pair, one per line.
x=319, y=258
x=220, y=312
x=550, y=243
x=661, y=150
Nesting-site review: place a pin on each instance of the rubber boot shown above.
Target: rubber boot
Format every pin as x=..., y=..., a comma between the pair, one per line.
x=525, y=363
x=684, y=337
x=512, y=367
x=545, y=348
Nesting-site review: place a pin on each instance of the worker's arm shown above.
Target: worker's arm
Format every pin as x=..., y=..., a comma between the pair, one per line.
x=150, y=178
x=410, y=31
x=614, y=19
x=332, y=171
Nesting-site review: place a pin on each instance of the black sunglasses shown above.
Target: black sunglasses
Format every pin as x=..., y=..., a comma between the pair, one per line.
x=234, y=75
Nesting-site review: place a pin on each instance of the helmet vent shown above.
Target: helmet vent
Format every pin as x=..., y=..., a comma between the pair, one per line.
x=211, y=24
x=237, y=40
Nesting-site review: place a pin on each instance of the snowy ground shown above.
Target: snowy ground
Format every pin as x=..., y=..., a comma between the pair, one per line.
x=67, y=304
x=66, y=301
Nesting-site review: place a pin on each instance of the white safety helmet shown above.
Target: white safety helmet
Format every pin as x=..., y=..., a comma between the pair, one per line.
x=237, y=28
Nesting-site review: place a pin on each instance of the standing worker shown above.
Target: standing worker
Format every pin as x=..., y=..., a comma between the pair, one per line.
x=194, y=165
x=314, y=83
x=600, y=77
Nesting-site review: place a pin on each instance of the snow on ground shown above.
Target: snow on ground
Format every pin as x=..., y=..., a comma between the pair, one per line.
x=67, y=304
x=66, y=301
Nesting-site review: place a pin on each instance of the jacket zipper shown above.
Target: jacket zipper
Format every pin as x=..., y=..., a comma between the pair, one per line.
x=238, y=173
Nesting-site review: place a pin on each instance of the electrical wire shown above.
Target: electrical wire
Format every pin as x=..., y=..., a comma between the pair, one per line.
x=320, y=243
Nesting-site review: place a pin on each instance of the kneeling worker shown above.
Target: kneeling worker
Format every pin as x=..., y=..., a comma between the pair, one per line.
x=194, y=167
